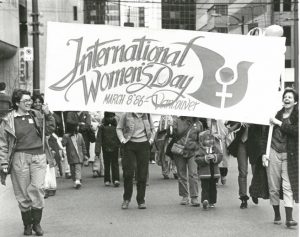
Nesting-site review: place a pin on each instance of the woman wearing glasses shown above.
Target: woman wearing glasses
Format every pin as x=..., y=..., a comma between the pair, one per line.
x=22, y=153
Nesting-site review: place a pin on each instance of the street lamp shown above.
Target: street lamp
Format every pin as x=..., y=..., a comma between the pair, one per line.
x=241, y=22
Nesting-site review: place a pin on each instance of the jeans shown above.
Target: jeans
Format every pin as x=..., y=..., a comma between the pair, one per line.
x=76, y=171
x=136, y=154
x=28, y=177
x=187, y=172
x=111, y=163
x=278, y=174
x=242, y=159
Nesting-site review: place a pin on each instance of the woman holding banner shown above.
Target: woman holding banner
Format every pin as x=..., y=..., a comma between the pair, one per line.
x=22, y=153
x=283, y=161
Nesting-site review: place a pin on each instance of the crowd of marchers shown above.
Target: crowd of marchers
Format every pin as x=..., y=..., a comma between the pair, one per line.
x=38, y=145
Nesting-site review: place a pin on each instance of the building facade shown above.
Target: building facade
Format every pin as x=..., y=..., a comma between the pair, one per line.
x=9, y=44
x=179, y=14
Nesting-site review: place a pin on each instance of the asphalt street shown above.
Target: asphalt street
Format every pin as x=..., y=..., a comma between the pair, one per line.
x=95, y=210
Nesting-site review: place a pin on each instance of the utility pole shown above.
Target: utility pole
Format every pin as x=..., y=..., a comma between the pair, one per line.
x=242, y=24
x=35, y=37
x=296, y=45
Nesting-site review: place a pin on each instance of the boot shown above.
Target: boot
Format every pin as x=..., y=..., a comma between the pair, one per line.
x=289, y=217
x=37, y=216
x=244, y=203
x=26, y=217
x=277, y=218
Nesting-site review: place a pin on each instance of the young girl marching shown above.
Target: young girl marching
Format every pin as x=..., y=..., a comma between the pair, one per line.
x=208, y=157
x=76, y=153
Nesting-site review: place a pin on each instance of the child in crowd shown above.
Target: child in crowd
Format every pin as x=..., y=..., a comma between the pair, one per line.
x=108, y=140
x=76, y=153
x=208, y=157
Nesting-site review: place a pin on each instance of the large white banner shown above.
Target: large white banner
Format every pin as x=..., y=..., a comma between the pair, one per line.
x=192, y=73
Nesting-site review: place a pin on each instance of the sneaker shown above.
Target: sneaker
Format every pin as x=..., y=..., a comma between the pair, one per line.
x=205, y=204
x=195, y=202
x=125, y=204
x=142, y=206
x=107, y=184
x=223, y=180
x=211, y=205
x=77, y=184
x=117, y=183
x=184, y=201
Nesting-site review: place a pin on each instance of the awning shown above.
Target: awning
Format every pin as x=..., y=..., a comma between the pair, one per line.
x=7, y=50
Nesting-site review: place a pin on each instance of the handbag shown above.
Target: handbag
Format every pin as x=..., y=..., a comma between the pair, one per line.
x=177, y=149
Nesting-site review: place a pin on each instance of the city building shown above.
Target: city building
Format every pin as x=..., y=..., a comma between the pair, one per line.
x=238, y=17
x=9, y=44
x=179, y=14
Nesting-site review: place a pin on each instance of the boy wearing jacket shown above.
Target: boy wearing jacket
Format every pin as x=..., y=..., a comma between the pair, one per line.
x=208, y=157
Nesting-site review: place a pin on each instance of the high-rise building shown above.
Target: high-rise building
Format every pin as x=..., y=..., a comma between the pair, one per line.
x=179, y=14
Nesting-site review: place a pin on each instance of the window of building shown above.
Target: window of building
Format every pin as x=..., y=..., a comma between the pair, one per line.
x=277, y=5
x=221, y=29
x=288, y=63
x=287, y=35
x=287, y=5
x=75, y=16
x=221, y=9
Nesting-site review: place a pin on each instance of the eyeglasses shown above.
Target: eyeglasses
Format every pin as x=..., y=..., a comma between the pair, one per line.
x=26, y=101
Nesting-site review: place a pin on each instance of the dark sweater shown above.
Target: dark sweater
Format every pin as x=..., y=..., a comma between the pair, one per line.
x=28, y=140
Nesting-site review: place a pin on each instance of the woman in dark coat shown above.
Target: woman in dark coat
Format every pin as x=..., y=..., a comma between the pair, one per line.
x=282, y=167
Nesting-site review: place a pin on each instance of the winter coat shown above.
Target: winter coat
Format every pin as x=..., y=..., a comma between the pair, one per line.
x=209, y=168
x=8, y=137
x=107, y=139
x=74, y=156
x=291, y=130
x=254, y=146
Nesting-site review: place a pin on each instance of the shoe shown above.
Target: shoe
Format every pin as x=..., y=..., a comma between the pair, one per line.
x=291, y=223
x=211, y=205
x=36, y=220
x=277, y=221
x=205, y=204
x=77, y=184
x=107, y=184
x=184, y=201
x=166, y=177
x=52, y=192
x=27, y=230
x=223, y=180
x=142, y=206
x=86, y=163
x=68, y=175
x=195, y=202
x=175, y=176
x=254, y=200
x=27, y=221
x=95, y=174
x=244, y=203
x=125, y=204
x=117, y=183
x=46, y=194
